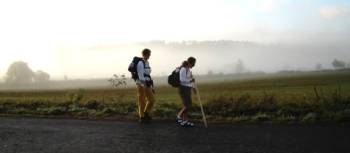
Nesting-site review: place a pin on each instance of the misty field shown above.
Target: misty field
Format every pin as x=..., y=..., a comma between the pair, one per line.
x=304, y=98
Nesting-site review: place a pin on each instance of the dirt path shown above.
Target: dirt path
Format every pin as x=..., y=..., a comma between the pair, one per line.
x=31, y=135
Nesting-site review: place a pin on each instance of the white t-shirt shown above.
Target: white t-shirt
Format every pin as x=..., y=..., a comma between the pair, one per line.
x=142, y=70
x=186, y=77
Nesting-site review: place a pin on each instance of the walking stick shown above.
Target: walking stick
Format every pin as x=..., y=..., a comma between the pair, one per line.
x=200, y=103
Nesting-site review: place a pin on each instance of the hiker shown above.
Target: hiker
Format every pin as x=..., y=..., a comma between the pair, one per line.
x=144, y=84
x=186, y=85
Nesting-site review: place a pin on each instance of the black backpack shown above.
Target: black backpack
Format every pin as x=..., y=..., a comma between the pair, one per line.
x=174, y=78
x=133, y=67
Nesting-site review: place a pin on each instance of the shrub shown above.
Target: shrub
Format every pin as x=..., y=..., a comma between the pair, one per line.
x=310, y=118
x=92, y=104
x=342, y=116
x=261, y=117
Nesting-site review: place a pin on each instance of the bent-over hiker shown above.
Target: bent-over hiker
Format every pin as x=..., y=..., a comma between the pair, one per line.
x=186, y=85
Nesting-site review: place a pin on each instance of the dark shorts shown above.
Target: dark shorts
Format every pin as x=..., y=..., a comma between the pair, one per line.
x=185, y=93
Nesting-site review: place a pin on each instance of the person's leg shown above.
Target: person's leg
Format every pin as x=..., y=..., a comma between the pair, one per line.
x=180, y=114
x=150, y=100
x=185, y=114
x=187, y=105
x=141, y=100
x=188, y=102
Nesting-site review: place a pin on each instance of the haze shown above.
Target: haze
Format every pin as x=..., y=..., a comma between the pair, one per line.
x=97, y=38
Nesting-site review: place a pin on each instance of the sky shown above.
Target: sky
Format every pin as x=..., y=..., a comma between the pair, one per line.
x=53, y=35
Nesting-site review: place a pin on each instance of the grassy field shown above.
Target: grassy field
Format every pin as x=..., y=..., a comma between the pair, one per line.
x=306, y=97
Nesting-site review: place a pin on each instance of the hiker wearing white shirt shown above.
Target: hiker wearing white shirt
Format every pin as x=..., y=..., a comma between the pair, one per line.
x=186, y=85
x=145, y=90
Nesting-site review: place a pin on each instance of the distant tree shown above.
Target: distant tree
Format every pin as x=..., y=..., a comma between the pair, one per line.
x=318, y=67
x=19, y=73
x=210, y=73
x=338, y=64
x=240, y=67
x=41, y=77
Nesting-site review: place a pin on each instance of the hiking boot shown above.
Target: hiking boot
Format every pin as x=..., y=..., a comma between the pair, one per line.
x=148, y=117
x=187, y=124
x=178, y=120
x=142, y=120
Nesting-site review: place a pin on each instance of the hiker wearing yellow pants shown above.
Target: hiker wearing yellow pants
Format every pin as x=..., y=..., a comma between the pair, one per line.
x=145, y=90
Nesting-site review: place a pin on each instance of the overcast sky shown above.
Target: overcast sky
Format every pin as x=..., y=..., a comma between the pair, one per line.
x=51, y=35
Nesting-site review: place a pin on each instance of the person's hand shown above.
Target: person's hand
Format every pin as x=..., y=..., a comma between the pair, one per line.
x=194, y=91
x=143, y=83
x=193, y=80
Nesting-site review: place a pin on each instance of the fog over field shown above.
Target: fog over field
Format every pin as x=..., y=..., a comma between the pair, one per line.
x=218, y=56
x=102, y=61
x=96, y=39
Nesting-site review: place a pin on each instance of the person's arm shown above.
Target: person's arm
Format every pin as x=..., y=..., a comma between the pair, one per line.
x=141, y=71
x=183, y=76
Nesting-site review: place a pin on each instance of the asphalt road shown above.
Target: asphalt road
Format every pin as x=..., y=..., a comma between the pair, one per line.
x=36, y=135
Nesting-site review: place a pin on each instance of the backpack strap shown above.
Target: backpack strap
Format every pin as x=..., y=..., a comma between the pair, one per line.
x=144, y=66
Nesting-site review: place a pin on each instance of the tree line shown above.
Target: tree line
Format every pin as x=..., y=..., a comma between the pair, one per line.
x=20, y=73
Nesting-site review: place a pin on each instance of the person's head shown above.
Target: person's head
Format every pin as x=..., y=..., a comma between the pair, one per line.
x=146, y=53
x=191, y=61
x=185, y=64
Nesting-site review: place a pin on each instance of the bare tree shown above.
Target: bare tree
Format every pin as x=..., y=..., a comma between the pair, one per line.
x=338, y=64
x=210, y=73
x=117, y=81
x=240, y=68
x=19, y=73
x=318, y=67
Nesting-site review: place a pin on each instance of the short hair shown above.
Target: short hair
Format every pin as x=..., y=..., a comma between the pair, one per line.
x=184, y=64
x=191, y=60
x=146, y=52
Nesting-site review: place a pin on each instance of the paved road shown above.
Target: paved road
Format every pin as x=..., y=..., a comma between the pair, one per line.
x=32, y=135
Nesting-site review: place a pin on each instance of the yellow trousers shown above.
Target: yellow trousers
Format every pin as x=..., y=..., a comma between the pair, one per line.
x=145, y=100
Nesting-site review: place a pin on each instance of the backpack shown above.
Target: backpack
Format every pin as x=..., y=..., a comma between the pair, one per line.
x=133, y=67
x=174, y=78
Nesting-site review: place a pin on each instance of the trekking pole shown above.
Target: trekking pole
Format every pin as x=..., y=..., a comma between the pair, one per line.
x=200, y=103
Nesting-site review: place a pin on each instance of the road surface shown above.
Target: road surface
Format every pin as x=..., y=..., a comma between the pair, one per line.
x=37, y=135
